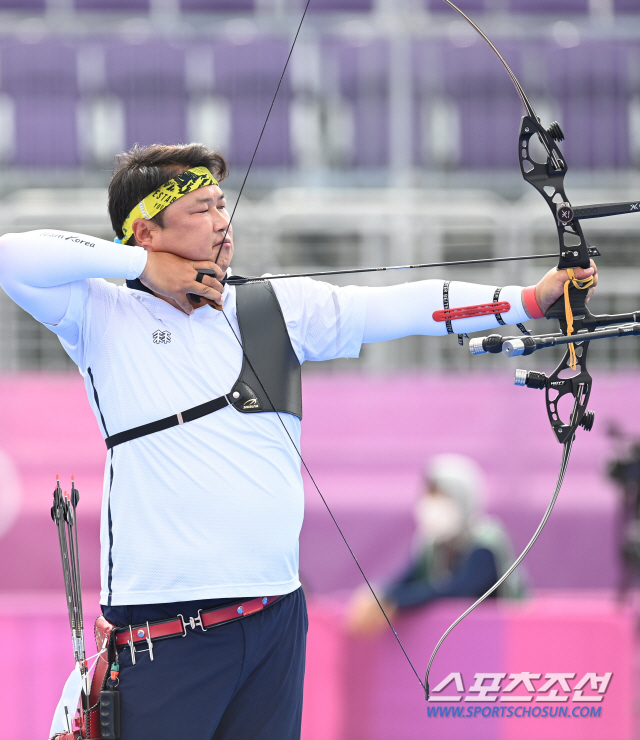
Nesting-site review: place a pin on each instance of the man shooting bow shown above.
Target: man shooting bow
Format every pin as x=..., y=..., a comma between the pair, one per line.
x=203, y=496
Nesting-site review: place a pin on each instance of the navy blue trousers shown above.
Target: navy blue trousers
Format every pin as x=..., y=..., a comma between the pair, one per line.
x=243, y=679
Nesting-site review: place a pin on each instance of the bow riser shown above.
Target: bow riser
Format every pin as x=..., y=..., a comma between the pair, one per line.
x=548, y=180
x=578, y=386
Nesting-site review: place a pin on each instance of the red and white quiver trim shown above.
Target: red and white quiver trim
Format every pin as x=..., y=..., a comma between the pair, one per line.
x=89, y=722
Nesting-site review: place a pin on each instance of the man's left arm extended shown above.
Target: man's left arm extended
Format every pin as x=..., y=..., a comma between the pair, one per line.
x=419, y=308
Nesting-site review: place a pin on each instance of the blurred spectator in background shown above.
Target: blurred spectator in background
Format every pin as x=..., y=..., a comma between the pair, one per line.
x=458, y=551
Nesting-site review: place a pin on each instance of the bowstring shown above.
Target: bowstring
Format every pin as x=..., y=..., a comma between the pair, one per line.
x=324, y=501
x=566, y=448
x=264, y=126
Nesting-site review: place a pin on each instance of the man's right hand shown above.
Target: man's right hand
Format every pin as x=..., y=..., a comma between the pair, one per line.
x=173, y=278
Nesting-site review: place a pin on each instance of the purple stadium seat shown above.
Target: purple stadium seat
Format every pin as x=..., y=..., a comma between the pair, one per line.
x=250, y=68
x=346, y=5
x=41, y=80
x=133, y=5
x=476, y=68
x=150, y=80
x=363, y=79
x=549, y=6
x=468, y=6
x=590, y=83
x=626, y=6
x=22, y=4
x=247, y=76
x=488, y=105
x=216, y=5
x=45, y=68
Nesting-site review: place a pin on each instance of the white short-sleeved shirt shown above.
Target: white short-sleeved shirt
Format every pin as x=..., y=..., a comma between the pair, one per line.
x=212, y=508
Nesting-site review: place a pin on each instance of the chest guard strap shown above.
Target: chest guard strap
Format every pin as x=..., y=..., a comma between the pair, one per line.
x=267, y=353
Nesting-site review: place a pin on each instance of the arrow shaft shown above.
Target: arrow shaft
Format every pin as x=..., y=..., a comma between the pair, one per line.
x=238, y=280
x=422, y=265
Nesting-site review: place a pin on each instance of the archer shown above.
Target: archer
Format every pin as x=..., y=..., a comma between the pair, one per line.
x=200, y=409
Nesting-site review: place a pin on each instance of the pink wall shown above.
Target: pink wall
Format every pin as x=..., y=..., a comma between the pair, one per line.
x=364, y=689
x=380, y=697
x=365, y=440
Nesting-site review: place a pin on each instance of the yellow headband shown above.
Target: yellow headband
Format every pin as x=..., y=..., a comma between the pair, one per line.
x=198, y=177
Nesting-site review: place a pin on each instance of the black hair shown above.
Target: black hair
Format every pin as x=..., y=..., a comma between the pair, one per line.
x=142, y=170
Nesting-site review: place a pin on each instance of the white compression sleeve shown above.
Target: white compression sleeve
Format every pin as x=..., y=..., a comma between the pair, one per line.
x=37, y=267
x=402, y=310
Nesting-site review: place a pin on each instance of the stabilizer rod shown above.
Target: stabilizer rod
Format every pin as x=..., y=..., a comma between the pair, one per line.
x=516, y=346
x=605, y=209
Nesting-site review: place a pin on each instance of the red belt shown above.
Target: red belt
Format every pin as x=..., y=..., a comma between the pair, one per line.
x=177, y=627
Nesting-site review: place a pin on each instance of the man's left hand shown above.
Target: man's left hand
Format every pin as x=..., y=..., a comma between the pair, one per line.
x=551, y=287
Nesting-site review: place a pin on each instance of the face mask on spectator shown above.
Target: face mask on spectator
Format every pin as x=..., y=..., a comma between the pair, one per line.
x=439, y=518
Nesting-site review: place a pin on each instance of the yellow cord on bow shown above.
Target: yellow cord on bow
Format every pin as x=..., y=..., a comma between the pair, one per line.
x=580, y=285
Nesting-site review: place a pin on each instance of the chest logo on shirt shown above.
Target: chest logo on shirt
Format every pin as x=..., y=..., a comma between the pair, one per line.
x=161, y=337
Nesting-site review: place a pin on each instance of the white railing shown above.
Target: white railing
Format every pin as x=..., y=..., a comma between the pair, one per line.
x=302, y=230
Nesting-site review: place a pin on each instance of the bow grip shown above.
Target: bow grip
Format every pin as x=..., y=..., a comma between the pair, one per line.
x=578, y=302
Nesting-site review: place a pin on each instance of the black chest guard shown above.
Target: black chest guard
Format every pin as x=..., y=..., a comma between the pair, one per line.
x=268, y=354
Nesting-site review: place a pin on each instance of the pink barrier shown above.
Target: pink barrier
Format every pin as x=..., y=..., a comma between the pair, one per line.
x=37, y=658
x=364, y=689
x=366, y=444
x=380, y=697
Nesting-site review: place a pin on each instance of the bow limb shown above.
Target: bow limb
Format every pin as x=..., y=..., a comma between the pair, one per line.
x=574, y=251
